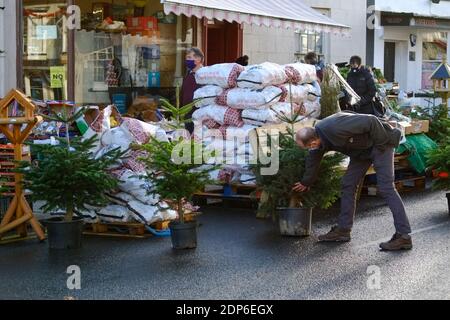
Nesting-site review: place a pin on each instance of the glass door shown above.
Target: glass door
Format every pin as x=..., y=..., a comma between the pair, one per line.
x=45, y=49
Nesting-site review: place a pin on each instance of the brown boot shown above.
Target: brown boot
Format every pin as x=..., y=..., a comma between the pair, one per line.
x=336, y=235
x=397, y=243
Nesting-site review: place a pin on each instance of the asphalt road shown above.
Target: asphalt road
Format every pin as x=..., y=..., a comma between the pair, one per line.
x=240, y=257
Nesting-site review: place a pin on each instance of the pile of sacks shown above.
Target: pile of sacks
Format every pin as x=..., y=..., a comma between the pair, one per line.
x=132, y=202
x=234, y=100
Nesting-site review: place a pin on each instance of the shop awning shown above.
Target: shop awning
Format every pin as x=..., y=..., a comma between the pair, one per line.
x=287, y=14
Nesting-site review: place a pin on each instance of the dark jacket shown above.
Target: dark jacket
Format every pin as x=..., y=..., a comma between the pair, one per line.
x=363, y=83
x=187, y=96
x=352, y=134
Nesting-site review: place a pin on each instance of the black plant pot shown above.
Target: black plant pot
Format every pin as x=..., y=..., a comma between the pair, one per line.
x=448, y=201
x=184, y=235
x=295, y=222
x=63, y=234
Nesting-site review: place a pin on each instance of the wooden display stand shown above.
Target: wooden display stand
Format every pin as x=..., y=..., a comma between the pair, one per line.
x=16, y=124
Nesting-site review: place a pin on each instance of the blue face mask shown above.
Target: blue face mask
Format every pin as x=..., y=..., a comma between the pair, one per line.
x=190, y=64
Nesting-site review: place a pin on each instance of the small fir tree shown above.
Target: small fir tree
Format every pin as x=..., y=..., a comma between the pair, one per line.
x=329, y=101
x=67, y=176
x=439, y=161
x=175, y=170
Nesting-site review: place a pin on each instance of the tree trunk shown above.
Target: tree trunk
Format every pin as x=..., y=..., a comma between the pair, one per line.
x=69, y=213
x=180, y=210
x=67, y=135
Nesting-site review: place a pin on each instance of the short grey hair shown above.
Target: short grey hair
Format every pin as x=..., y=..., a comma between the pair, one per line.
x=197, y=53
x=306, y=135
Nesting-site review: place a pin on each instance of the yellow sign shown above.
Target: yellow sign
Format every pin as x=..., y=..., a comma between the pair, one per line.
x=57, y=77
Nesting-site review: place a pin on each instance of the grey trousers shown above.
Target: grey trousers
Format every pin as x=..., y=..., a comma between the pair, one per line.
x=383, y=162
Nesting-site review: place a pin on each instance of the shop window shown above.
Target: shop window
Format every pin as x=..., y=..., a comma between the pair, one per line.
x=125, y=50
x=45, y=49
x=434, y=49
x=311, y=41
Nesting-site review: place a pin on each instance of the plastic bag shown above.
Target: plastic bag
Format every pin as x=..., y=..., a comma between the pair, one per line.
x=263, y=75
x=223, y=75
x=301, y=73
x=219, y=114
x=208, y=95
x=418, y=145
x=239, y=98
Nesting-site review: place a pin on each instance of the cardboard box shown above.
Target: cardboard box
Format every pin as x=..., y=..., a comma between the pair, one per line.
x=415, y=127
x=142, y=23
x=167, y=31
x=259, y=136
x=418, y=126
x=152, y=34
x=168, y=63
x=168, y=48
x=167, y=79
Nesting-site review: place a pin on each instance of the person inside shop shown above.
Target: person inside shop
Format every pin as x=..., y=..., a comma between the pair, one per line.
x=363, y=83
x=367, y=140
x=313, y=59
x=243, y=61
x=194, y=61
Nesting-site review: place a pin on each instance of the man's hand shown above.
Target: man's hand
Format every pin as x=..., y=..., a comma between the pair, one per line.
x=298, y=187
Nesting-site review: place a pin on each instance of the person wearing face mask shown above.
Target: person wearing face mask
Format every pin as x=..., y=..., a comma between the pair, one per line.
x=368, y=141
x=194, y=61
x=362, y=81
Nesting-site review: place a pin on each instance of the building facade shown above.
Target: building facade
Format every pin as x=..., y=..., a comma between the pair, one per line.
x=8, y=46
x=48, y=62
x=281, y=46
x=409, y=39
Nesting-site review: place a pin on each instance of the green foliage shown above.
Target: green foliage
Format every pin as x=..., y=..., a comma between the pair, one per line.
x=178, y=113
x=344, y=72
x=176, y=170
x=69, y=178
x=294, y=117
x=439, y=160
x=330, y=91
x=67, y=117
x=439, y=122
x=292, y=168
x=378, y=74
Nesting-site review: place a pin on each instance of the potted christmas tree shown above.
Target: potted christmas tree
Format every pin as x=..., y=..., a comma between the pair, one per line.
x=294, y=210
x=67, y=177
x=439, y=160
x=175, y=170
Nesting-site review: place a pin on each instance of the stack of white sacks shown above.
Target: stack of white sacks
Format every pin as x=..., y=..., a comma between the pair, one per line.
x=133, y=201
x=235, y=100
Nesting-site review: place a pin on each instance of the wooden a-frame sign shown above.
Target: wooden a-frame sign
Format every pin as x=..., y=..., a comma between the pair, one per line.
x=19, y=212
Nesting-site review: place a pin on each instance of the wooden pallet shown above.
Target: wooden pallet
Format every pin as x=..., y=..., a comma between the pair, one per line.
x=402, y=186
x=129, y=229
x=164, y=225
x=117, y=229
x=238, y=192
